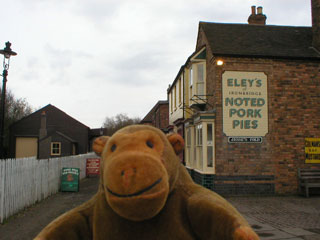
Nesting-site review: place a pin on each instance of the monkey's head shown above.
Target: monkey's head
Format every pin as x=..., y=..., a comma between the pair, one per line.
x=138, y=170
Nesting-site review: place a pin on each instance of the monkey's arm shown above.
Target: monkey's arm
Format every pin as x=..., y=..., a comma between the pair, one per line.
x=212, y=217
x=72, y=225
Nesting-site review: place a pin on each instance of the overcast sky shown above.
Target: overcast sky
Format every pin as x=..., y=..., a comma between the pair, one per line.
x=98, y=58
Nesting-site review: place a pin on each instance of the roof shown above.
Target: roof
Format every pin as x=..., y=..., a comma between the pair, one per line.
x=46, y=108
x=259, y=40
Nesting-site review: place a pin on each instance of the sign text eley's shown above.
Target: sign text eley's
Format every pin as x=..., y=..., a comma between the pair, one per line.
x=245, y=103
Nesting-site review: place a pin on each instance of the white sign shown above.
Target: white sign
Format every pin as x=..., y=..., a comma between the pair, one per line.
x=245, y=139
x=245, y=103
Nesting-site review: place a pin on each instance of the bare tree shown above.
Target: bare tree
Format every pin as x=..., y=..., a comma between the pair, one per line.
x=112, y=124
x=15, y=109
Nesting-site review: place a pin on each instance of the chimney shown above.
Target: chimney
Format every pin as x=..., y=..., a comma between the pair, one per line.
x=43, y=125
x=315, y=10
x=257, y=18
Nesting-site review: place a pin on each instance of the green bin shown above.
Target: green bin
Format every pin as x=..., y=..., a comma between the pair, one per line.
x=70, y=179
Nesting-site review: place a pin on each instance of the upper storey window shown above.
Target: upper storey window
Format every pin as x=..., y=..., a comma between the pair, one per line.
x=197, y=76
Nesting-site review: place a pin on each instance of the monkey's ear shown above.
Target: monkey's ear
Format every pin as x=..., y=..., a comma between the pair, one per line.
x=176, y=141
x=99, y=143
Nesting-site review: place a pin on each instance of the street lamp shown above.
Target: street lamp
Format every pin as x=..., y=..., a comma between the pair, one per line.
x=7, y=53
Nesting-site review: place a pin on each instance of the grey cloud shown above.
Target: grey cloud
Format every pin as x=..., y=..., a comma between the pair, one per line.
x=97, y=10
x=63, y=58
x=60, y=62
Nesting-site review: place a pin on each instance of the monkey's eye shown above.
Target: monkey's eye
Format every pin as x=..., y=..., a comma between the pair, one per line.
x=113, y=147
x=149, y=144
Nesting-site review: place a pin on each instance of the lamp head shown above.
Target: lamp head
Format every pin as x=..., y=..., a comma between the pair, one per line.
x=7, y=52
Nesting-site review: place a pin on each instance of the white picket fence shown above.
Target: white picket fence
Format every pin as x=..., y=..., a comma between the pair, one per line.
x=26, y=181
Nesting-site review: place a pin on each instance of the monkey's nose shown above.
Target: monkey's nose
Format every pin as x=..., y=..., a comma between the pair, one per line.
x=128, y=176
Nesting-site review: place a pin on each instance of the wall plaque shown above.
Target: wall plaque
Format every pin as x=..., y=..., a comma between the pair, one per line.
x=245, y=103
x=312, y=150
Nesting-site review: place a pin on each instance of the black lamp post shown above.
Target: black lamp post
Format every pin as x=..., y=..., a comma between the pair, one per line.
x=7, y=53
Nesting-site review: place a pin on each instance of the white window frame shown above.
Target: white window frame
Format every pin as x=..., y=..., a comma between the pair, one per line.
x=199, y=146
x=175, y=97
x=190, y=146
x=171, y=102
x=209, y=141
x=200, y=79
x=190, y=76
x=197, y=79
x=180, y=91
x=53, y=148
x=190, y=82
x=203, y=145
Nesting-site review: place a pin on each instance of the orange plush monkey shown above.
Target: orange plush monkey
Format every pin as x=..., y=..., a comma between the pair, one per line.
x=145, y=193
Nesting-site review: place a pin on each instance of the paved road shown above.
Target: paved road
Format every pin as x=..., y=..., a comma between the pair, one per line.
x=273, y=218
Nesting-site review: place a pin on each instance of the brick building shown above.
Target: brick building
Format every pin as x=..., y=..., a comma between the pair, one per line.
x=46, y=133
x=251, y=105
x=158, y=116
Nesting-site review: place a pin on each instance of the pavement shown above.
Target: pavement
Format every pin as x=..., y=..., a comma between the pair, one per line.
x=28, y=223
x=281, y=217
x=272, y=217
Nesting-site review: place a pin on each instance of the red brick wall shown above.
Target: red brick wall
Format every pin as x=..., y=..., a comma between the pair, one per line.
x=294, y=113
x=164, y=116
x=160, y=116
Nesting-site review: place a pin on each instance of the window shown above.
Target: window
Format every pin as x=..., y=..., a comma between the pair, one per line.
x=180, y=95
x=209, y=145
x=188, y=146
x=56, y=148
x=200, y=143
x=188, y=143
x=190, y=82
x=171, y=102
x=197, y=88
x=199, y=135
x=191, y=76
x=209, y=134
x=199, y=146
x=175, y=97
x=200, y=79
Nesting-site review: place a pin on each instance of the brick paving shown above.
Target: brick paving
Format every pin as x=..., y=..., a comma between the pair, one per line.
x=285, y=217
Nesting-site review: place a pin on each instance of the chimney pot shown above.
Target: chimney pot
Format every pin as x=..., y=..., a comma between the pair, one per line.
x=259, y=10
x=253, y=10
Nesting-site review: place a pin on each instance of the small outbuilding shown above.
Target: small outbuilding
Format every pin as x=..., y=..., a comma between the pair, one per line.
x=46, y=133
